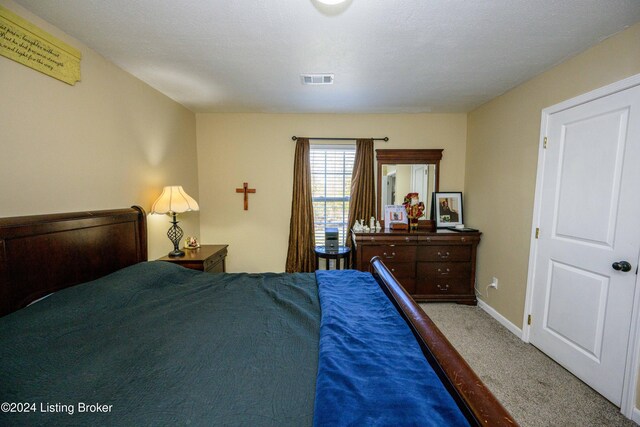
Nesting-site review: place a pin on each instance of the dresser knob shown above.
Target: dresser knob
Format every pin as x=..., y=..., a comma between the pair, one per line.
x=445, y=255
x=463, y=239
x=443, y=288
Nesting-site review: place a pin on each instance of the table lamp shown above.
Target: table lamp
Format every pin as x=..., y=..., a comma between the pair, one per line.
x=172, y=201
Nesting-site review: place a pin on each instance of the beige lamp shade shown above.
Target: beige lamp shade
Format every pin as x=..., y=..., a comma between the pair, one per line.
x=174, y=200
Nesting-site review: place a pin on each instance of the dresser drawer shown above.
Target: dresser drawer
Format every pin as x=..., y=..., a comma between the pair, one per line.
x=444, y=270
x=402, y=269
x=390, y=253
x=444, y=253
x=443, y=287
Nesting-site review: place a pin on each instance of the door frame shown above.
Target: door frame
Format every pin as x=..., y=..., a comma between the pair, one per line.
x=632, y=369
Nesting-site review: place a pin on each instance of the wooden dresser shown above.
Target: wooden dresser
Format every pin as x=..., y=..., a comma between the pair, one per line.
x=432, y=266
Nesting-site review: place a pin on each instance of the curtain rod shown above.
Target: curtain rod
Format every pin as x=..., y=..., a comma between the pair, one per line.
x=295, y=138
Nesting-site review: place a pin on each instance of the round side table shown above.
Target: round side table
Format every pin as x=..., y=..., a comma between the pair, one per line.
x=343, y=252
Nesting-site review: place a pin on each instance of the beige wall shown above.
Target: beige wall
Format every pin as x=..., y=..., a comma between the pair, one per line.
x=502, y=148
x=257, y=148
x=110, y=141
x=502, y=156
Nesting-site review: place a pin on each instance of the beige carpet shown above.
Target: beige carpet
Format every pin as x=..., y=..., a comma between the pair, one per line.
x=534, y=389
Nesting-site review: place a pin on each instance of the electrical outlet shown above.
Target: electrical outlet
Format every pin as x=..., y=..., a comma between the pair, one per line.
x=494, y=283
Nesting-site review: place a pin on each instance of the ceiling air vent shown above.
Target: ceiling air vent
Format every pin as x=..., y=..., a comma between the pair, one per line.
x=316, y=79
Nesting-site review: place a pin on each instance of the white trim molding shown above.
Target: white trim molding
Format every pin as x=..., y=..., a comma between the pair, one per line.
x=635, y=416
x=500, y=318
x=632, y=370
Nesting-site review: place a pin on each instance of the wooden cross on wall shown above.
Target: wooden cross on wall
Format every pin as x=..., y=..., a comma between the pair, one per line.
x=246, y=190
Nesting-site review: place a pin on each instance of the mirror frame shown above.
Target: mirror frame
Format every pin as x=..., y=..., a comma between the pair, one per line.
x=406, y=157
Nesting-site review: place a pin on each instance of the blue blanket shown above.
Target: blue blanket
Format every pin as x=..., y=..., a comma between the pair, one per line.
x=371, y=370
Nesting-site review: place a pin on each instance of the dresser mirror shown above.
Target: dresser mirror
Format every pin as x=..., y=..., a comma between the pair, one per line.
x=407, y=171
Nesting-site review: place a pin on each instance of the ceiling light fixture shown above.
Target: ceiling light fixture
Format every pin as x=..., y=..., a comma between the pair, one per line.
x=331, y=2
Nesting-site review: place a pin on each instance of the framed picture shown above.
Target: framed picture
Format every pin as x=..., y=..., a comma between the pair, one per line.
x=394, y=214
x=448, y=209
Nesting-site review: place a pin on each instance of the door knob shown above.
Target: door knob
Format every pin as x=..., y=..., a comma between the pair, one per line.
x=621, y=266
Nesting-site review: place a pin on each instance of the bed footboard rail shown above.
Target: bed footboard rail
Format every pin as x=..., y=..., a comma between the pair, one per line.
x=480, y=405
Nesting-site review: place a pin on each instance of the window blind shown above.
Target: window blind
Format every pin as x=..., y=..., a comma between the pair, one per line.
x=331, y=168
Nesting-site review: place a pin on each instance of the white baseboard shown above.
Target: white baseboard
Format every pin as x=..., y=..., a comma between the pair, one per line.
x=500, y=318
x=635, y=416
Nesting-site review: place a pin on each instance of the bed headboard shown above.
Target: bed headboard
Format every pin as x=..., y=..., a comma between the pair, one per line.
x=44, y=253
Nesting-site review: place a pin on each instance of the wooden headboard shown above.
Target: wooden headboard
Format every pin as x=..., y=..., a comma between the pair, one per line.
x=45, y=253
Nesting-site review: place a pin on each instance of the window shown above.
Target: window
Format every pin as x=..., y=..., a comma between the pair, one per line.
x=331, y=168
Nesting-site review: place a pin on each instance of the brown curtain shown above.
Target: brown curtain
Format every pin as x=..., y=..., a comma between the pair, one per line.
x=363, y=199
x=300, y=255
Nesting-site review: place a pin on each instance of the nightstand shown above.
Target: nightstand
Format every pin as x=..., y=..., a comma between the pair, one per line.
x=207, y=258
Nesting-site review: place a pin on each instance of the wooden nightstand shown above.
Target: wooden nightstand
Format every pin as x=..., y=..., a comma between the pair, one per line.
x=208, y=258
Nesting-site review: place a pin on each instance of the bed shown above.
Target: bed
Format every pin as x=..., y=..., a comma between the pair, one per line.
x=123, y=341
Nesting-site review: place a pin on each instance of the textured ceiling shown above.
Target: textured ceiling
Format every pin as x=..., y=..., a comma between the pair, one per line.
x=387, y=56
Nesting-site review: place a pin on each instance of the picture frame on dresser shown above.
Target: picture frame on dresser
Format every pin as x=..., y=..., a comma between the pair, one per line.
x=448, y=209
x=394, y=214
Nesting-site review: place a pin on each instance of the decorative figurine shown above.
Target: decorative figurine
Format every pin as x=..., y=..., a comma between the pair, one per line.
x=414, y=208
x=378, y=227
x=191, y=243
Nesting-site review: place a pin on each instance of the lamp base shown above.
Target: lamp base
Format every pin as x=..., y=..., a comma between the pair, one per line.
x=175, y=234
x=176, y=253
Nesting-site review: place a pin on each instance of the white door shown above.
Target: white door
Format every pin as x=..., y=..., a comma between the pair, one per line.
x=589, y=227
x=419, y=181
x=388, y=189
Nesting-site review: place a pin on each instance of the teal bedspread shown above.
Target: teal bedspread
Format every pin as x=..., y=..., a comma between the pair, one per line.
x=224, y=349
